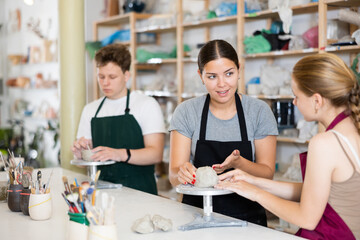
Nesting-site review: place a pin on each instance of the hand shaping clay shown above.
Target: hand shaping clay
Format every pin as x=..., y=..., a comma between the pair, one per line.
x=86, y=155
x=162, y=223
x=143, y=225
x=206, y=177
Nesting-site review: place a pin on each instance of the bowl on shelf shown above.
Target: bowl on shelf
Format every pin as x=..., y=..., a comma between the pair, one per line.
x=16, y=59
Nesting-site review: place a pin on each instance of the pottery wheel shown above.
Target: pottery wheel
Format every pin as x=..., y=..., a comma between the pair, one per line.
x=207, y=220
x=92, y=169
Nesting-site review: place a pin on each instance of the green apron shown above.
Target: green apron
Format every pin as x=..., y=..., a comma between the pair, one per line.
x=122, y=131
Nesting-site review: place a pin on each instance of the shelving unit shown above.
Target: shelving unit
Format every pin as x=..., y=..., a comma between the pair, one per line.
x=128, y=20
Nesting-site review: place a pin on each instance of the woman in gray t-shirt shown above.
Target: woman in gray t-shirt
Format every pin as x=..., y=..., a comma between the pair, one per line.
x=224, y=130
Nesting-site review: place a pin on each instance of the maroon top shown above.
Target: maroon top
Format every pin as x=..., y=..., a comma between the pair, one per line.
x=331, y=225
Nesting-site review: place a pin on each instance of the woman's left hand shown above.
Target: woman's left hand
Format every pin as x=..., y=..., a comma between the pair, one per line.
x=242, y=188
x=228, y=163
x=236, y=175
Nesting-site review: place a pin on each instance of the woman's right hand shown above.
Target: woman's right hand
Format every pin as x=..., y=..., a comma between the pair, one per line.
x=186, y=173
x=80, y=144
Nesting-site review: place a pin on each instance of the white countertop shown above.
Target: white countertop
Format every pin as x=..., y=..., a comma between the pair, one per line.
x=130, y=205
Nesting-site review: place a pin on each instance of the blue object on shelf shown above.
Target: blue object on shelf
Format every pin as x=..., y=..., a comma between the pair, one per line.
x=247, y=10
x=226, y=9
x=120, y=35
x=254, y=80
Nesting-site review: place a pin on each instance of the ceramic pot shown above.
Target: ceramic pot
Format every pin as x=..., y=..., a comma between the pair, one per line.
x=14, y=197
x=40, y=206
x=24, y=201
x=99, y=232
x=78, y=226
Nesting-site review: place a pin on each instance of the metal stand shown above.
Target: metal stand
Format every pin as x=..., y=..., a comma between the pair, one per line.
x=92, y=169
x=208, y=220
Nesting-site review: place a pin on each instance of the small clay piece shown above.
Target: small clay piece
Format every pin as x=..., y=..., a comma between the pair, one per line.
x=162, y=223
x=143, y=225
x=206, y=177
x=86, y=155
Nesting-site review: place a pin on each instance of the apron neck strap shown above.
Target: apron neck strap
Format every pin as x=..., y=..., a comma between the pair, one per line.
x=240, y=113
x=337, y=119
x=98, y=110
x=127, y=109
x=241, y=117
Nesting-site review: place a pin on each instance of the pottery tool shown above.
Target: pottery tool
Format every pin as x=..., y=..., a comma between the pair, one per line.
x=2, y=158
x=38, y=177
x=97, y=175
x=91, y=213
x=48, y=181
x=11, y=159
x=109, y=217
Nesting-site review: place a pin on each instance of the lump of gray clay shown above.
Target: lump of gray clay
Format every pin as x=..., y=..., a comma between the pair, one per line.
x=86, y=155
x=206, y=177
x=143, y=225
x=162, y=223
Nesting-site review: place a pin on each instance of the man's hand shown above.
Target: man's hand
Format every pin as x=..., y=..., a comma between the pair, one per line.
x=105, y=153
x=80, y=144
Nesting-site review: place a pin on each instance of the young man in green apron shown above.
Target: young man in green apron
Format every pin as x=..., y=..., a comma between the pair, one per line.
x=122, y=126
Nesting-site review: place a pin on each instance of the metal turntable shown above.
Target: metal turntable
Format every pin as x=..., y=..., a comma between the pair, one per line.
x=208, y=220
x=92, y=169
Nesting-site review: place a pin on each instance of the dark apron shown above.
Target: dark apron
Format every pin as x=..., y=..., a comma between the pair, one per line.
x=331, y=225
x=209, y=152
x=122, y=131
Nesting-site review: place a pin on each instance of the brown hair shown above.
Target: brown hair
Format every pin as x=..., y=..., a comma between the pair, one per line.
x=115, y=53
x=216, y=49
x=328, y=75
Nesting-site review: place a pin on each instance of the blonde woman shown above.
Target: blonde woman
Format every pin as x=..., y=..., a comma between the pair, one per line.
x=327, y=204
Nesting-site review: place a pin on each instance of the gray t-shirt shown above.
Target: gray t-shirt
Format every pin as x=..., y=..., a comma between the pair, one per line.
x=260, y=122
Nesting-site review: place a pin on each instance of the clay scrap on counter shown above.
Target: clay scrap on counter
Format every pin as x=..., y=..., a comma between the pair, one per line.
x=147, y=224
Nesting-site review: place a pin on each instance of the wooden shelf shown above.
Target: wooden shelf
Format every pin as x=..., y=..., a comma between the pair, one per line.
x=155, y=61
x=192, y=95
x=156, y=29
x=273, y=97
x=282, y=53
x=300, y=9
x=211, y=22
x=121, y=19
x=344, y=3
x=158, y=93
x=33, y=89
x=190, y=60
x=351, y=48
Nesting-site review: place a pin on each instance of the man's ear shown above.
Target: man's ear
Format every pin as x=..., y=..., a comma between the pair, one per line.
x=127, y=75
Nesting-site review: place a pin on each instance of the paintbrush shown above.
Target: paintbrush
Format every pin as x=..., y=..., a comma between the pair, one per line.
x=68, y=203
x=66, y=184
